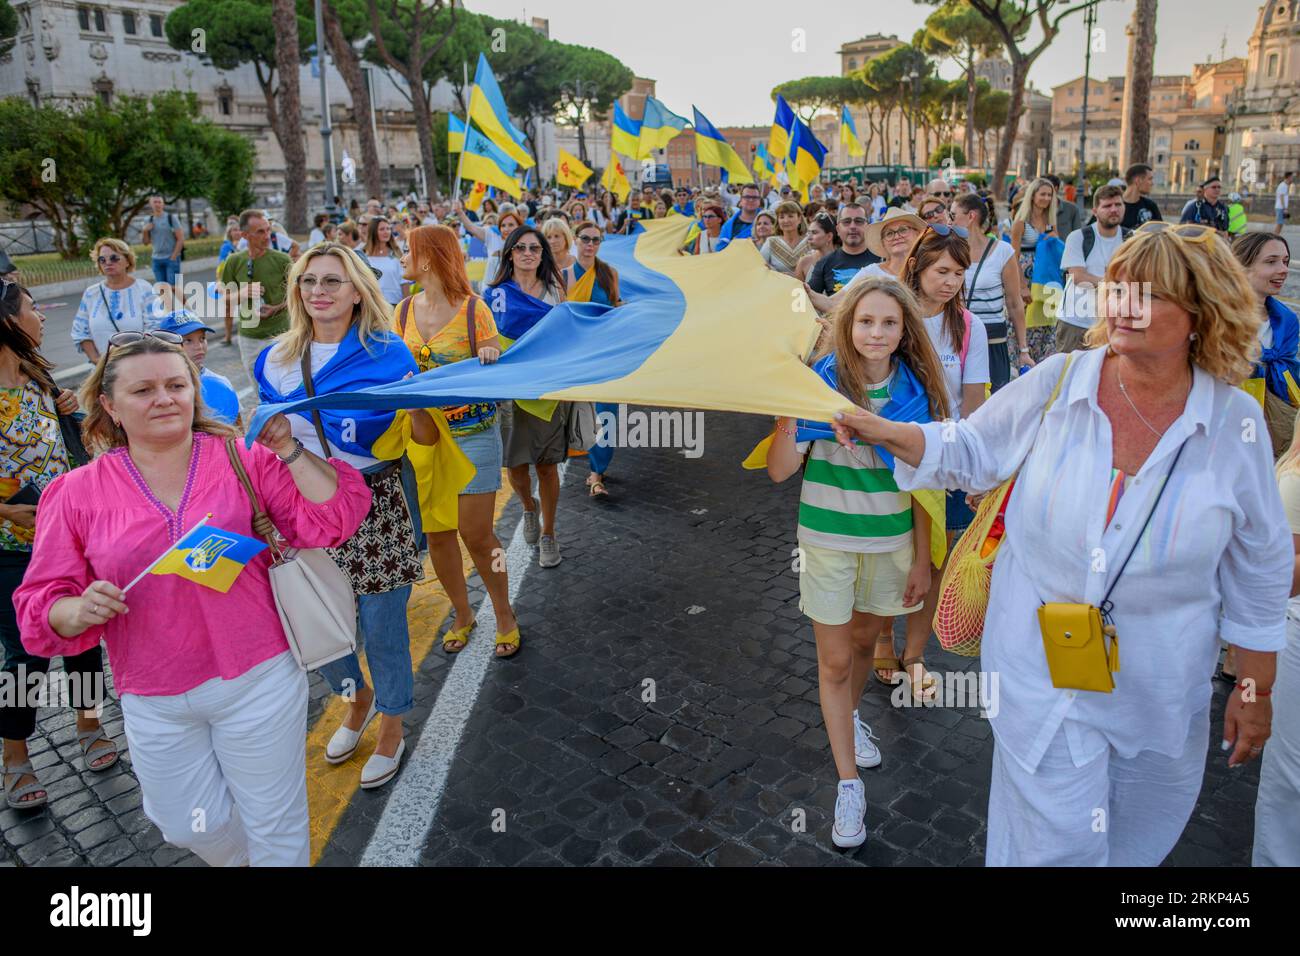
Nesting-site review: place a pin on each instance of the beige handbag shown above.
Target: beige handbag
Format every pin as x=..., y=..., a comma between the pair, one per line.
x=313, y=596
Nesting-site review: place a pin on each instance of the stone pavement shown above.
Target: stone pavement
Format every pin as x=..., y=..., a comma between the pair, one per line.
x=681, y=585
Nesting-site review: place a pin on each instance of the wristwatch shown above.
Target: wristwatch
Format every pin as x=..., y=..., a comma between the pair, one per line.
x=295, y=454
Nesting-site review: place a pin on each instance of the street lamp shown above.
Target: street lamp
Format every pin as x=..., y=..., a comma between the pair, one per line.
x=1083, y=124
x=914, y=77
x=331, y=185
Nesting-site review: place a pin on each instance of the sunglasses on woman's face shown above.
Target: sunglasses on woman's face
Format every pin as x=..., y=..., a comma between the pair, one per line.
x=590, y=240
x=935, y=213
x=113, y=258
x=529, y=250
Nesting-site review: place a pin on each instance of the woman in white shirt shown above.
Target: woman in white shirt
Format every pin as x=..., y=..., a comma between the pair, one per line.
x=1087, y=778
x=493, y=237
x=119, y=303
x=384, y=254
x=992, y=287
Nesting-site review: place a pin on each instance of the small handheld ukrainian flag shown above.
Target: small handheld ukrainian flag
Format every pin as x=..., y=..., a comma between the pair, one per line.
x=849, y=134
x=209, y=556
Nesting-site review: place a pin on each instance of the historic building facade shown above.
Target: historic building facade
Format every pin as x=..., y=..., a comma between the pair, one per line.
x=1263, y=116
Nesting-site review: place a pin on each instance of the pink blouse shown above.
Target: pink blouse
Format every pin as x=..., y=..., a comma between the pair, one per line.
x=103, y=522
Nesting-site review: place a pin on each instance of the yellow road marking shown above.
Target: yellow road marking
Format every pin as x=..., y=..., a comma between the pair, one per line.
x=330, y=788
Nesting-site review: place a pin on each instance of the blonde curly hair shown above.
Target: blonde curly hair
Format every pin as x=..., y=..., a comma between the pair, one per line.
x=1205, y=279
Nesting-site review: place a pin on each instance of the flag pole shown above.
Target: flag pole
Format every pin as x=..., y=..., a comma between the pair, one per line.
x=170, y=548
x=455, y=191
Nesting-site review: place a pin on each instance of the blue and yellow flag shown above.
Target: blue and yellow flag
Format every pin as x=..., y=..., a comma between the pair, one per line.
x=487, y=108
x=625, y=131
x=778, y=143
x=671, y=343
x=849, y=134
x=455, y=133
x=805, y=158
x=659, y=125
x=713, y=150
x=483, y=162
x=210, y=556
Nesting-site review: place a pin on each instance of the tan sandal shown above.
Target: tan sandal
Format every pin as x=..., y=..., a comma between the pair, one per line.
x=928, y=685
x=887, y=663
x=90, y=753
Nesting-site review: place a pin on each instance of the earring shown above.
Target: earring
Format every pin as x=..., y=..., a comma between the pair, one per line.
x=1192, y=337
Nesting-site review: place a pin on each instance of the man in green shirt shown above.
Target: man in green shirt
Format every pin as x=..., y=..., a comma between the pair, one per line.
x=260, y=274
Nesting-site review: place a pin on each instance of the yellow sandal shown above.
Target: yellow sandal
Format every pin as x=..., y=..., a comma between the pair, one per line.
x=458, y=634
x=509, y=640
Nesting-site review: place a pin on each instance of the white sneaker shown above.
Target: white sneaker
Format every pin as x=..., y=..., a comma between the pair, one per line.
x=532, y=527
x=865, y=753
x=380, y=769
x=344, y=742
x=850, y=809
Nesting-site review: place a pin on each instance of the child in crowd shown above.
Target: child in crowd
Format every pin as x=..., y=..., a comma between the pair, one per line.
x=218, y=394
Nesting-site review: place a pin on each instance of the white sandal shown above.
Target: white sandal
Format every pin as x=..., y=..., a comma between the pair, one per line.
x=344, y=742
x=380, y=769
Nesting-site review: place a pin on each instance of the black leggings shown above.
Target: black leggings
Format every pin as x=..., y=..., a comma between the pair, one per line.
x=85, y=670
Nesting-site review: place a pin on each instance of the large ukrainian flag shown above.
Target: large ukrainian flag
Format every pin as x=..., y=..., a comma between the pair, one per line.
x=482, y=162
x=487, y=108
x=713, y=150
x=778, y=143
x=210, y=556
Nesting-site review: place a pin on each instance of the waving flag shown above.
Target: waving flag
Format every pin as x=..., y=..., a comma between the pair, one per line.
x=658, y=127
x=478, y=192
x=210, y=556
x=805, y=158
x=514, y=311
x=778, y=143
x=713, y=150
x=625, y=132
x=672, y=343
x=487, y=108
x=572, y=171
x=849, y=134
x=483, y=162
x=455, y=133
x=615, y=179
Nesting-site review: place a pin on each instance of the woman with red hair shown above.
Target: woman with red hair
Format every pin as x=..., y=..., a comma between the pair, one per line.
x=444, y=323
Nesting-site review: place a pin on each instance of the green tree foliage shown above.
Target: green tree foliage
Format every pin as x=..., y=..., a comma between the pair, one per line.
x=590, y=81
x=958, y=31
x=91, y=169
x=8, y=27
x=817, y=94
x=948, y=151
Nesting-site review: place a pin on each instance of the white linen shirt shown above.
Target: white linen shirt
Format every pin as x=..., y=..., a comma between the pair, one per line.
x=1215, y=561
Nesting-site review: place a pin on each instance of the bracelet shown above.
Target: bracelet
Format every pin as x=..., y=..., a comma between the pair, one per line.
x=1257, y=691
x=784, y=431
x=295, y=454
x=1025, y=349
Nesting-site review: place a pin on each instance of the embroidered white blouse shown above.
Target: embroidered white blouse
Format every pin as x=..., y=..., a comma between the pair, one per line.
x=1214, y=562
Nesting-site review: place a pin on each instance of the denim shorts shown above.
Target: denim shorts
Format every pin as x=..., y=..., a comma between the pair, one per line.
x=959, y=514
x=484, y=450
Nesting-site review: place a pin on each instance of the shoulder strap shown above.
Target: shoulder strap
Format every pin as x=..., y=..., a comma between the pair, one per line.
x=1051, y=399
x=311, y=393
x=974, y=282
x=261, y=522
x=1089, y=240
x=965, y=335
x=471, y=327
x=108, y=309
x=403, y=313
x=1105, y=601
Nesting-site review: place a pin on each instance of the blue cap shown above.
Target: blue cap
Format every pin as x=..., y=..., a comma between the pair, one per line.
x=183, y=322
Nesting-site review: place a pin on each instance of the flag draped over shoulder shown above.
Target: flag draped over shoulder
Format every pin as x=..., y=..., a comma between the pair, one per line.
x=659, y=125
x=1045, y=286
x=367, y=431
x=487, y=109
x=514, y=310
x=908, y=402
x=672, y=343
x=713, y=150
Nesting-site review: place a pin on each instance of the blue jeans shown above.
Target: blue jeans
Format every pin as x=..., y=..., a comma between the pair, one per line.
x=600, y=456
x=387, y=642
x=166, y=270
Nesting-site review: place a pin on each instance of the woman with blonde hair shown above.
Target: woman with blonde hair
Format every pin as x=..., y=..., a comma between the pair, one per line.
x=340, y=339
x=119, y=302
x=783, y=250
x=1145, y=500
x=1035, y=217
x=560, y=238
x=213, y=703
x=1277, y=825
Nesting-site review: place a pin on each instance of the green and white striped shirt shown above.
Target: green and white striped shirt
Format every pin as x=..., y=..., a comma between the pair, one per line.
x=849, y=500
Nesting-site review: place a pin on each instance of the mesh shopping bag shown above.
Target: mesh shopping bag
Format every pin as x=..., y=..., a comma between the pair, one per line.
x=964, y=588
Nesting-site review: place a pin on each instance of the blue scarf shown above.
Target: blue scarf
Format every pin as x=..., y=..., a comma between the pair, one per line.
x=1280, y=357
x=514, y=310
x=351, y=369
x=908, y=402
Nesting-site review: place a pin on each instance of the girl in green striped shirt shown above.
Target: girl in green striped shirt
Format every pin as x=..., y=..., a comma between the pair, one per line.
x=864, y=545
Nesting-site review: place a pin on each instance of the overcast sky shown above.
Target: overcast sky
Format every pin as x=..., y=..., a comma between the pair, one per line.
x=725, y=57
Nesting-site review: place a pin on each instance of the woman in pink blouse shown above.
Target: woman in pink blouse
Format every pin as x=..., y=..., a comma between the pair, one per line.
x=215, y=708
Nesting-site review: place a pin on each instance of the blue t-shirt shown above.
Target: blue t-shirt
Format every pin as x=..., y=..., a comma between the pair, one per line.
x=687, y=209
x=734, y=228
x=219, y=396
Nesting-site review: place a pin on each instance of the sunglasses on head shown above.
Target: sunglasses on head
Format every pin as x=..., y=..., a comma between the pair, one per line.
x=943, y=230
x=1186, y=232
x=130, y=338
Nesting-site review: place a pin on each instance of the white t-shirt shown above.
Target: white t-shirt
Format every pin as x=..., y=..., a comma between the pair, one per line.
x=866, y=272
x=987, y=301
x=315, y=237
x=284, y=377
x=1289, y=485
x=493, y=242
x=878, y=207
x=1283, y=195
x=390, y=281
x=1079, y=305
x=976, y=369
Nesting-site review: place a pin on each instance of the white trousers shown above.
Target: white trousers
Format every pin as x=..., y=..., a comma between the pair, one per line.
x=1112, y=811
x=223, y=767
x=1277, y=809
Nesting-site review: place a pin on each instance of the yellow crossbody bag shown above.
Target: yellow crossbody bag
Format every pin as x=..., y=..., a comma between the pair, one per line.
x=1080, y=640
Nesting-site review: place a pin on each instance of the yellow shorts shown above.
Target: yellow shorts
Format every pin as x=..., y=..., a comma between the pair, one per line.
x=834, y=584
